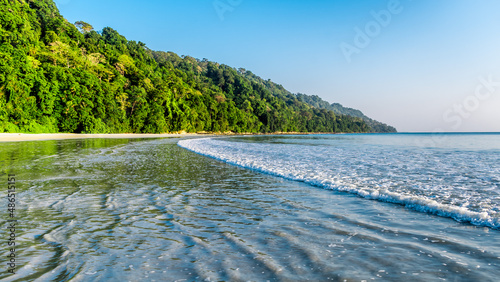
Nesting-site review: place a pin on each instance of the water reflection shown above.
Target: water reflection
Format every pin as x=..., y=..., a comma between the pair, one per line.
x=98, y=210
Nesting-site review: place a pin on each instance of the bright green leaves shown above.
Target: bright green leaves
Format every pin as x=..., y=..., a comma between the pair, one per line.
x=58, y=77
x=84, y=27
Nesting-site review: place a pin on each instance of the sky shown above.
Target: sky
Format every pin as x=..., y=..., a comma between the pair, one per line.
x=421, y=66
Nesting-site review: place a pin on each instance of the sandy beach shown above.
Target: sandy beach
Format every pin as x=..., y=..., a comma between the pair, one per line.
x=14, y=137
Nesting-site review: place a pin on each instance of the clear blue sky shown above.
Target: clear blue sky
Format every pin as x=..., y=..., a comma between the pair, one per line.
x=418, y=65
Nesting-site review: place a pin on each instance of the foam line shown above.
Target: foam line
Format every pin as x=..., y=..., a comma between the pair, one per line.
x=287, y=163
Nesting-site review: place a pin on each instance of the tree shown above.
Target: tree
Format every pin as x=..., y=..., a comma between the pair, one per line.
x=84, y=27
x=56, y=76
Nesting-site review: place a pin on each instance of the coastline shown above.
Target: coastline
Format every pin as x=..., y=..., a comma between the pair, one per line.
x=119, y=184
x=18, y=137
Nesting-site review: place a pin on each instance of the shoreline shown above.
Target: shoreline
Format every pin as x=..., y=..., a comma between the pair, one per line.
x=19, y=137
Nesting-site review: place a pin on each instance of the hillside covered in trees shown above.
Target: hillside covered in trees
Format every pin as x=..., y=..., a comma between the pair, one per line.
x=56, y=76
x=317, y=102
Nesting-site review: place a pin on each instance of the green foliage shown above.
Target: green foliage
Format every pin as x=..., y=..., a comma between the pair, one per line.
x=83, y=26
x=58, y=77
x=317, y=102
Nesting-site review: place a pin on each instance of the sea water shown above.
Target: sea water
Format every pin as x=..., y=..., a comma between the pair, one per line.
x=453, y=175
x=277, y=208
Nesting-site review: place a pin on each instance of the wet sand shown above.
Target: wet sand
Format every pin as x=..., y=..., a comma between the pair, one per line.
x=13, y=137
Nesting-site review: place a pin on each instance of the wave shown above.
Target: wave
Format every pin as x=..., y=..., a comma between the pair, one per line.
x=370, y=178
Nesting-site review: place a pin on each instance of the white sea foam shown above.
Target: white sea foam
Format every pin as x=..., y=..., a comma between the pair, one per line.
x=461, y=184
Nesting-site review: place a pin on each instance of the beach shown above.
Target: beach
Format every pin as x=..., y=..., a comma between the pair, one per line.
x=14, y=137
x=259, y=208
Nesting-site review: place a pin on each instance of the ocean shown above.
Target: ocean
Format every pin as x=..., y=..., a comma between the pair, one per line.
x=346, y=207
x=453, y=175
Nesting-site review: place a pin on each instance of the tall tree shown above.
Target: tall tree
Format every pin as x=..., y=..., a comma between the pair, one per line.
x=83, y=26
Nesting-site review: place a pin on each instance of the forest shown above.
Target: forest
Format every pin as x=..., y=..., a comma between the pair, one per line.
x=56, y=76
x=317, y=102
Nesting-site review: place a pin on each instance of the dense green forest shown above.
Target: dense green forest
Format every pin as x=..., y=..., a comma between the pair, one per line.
x=317, y=102
x=56, y=76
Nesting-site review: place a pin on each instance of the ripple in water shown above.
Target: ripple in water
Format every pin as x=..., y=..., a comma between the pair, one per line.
x=461, y=182
x=131, y=210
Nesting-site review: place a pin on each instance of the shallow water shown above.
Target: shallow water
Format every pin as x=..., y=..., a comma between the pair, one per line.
x=454, y=175
x=131, y=210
